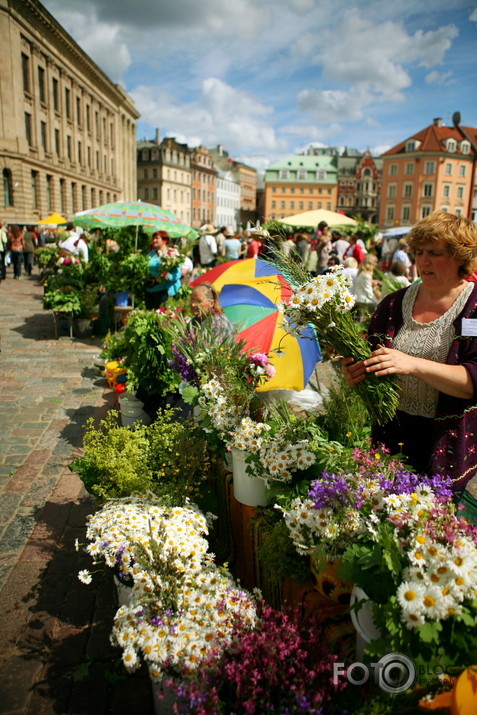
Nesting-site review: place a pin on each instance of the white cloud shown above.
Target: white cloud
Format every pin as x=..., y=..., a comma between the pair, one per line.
x=334, y=104
x=221, y=115
x=440, y=78
x=380, y=149
x=473, y=16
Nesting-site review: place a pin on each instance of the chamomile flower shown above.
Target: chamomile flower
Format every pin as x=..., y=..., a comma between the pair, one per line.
x=85, y=576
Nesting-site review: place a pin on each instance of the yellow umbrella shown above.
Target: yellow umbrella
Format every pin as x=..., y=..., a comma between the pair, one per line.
x=53, y=220
x=313, y=218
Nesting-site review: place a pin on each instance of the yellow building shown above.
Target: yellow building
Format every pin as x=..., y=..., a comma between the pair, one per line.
x=300, y=183
x=433, y=169
x=67, y=132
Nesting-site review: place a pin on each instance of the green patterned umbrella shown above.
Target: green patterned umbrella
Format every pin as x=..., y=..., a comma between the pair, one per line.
x=134, y=213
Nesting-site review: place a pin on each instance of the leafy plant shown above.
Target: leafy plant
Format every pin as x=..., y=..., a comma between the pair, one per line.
x=113, y=346
x=88, y=301
x=169, y=458
x=277, y=551
x=130, y=273
x=147, y=350
x=344, y=416
x=67, y=300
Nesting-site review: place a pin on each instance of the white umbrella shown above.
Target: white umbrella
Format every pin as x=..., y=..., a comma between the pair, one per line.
x=313, y=218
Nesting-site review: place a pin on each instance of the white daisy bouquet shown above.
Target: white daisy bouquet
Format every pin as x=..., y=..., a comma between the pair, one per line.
x=325, y=302
x=123, y=532
x=180, y=623
x=400, y=539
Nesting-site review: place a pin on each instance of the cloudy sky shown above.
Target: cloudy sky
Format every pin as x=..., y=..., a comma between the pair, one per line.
x=265, y=78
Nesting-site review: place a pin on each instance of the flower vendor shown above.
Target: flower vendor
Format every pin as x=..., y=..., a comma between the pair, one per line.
x=164, y=267
x=426, y=334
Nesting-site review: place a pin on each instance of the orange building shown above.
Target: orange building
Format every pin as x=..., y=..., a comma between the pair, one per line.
x=433, y=169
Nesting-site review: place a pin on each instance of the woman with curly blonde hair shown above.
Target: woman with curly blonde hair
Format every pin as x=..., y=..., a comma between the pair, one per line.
x=426, y=334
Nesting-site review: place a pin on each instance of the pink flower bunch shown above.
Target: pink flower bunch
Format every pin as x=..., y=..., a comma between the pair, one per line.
x=282, y=666
x=260, y=368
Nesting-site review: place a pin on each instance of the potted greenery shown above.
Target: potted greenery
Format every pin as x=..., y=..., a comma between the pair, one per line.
x=129, y=274
x=83, y=316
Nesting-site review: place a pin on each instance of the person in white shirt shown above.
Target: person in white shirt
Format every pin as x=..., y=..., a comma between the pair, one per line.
x=208, y=246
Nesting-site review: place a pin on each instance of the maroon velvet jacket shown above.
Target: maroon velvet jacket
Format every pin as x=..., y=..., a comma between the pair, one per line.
x=455, y=424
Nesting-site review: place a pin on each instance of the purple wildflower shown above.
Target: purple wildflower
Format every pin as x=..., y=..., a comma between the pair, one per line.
x=330, y=490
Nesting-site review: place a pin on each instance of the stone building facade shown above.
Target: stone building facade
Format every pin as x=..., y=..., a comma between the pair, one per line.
x=247, y=178
x=67, y=132
x=359, y=185
x=164, y=175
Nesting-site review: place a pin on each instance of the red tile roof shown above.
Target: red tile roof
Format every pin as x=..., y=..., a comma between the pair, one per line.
x=431, y=139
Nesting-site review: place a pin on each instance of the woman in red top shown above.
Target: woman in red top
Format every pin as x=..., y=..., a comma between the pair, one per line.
x=355, y=250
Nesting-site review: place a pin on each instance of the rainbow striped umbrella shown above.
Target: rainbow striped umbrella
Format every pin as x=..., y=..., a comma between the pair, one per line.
x=135, y=213
x=249, y=292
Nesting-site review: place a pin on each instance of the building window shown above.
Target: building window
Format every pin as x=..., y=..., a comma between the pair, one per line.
x=428, y=190
x=28, y=134
x=321, y=175
x=462, y=170
x=393, y=170
x=411, y=146
x=96, y=125
x=88, y=118
x=78, y=111
x=446, y=191
x=274, y=188
x=73, y=197
x=301, y=205
x=465, y=147
x=49, y=191
x=93, y=197
x=97, y=160
x=302, y=174
x=406, y=214
x=430, y=167
x=34, y=189
x=292, y=189
x=274, y=204
x=146, y=175
x=391, y=191
x=146, y=193
x=425, y=211
x=451, y=145
x=43, y=136
x=83, y=197
x=41, y=85
x=409, y=168
x=63, y=195
x=390, y=213
x=292, y=204
x=56, y=96
x=460, y=192
x=282, y=204
x=68, y=147
x=283, y=174
x=448, y=170
x=26, y=73
x=458, y=212
x=154, y=193
x=310, y=204
x=7, y=188
x=88, y=154
x=328, y=206
x=80, y=153
x=320, y=205
x=67, y=103
x=407, y=193
x=154, y=173
x=57, y=142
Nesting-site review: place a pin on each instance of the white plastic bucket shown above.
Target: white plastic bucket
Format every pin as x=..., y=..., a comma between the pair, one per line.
x=362, y=619
x=248, y=490
x=132, y=410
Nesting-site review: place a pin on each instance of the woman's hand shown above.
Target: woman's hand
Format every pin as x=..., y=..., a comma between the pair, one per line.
x=388, y=361
x=354, y=372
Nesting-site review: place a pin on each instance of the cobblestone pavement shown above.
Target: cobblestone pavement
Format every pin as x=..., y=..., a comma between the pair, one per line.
x=55, y=655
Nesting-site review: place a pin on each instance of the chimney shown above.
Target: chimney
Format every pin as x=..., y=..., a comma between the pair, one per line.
x=157, y=136
x=437, y=122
